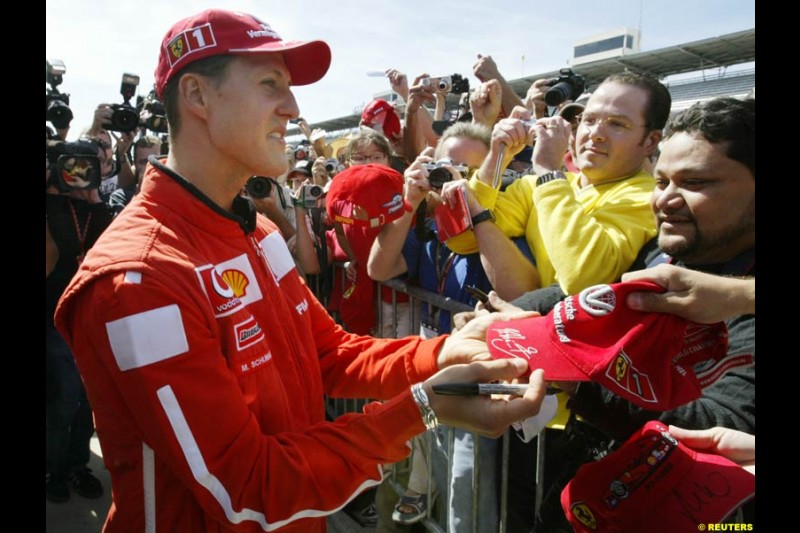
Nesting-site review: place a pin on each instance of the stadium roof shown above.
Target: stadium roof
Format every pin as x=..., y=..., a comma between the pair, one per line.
x=723, y=51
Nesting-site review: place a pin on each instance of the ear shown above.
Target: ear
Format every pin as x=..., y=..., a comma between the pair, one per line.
x=192, y=89
x=651, y=140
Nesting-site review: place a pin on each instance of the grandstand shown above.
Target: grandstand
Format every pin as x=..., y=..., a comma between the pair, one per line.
x=715, y=55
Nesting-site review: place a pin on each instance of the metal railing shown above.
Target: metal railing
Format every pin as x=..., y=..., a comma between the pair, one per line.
x=337, y=407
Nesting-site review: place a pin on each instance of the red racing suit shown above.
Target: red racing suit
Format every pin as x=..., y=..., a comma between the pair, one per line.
x=205, y=358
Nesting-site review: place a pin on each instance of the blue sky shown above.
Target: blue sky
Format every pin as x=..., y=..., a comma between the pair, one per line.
x=98, y=41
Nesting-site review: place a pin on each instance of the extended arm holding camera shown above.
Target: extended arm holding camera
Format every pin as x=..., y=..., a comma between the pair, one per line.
x=418, y=128
x=386, y=255
x=302, y=244
x=534, y=100
x=485, y=69
x=269, y=207
x=126, y=176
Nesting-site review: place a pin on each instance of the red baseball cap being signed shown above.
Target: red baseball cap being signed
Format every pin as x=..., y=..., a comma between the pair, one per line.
x=217, y=31
x=656, y=360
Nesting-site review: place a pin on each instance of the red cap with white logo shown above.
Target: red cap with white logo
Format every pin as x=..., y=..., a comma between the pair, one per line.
x=217, y=31
x=367, y=196
x=656, y=360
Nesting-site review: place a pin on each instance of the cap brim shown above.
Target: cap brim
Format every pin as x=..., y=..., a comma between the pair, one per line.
x=529, y=339
x=307, y=61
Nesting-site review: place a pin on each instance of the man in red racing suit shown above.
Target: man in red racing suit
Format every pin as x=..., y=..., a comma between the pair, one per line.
x=204, y=354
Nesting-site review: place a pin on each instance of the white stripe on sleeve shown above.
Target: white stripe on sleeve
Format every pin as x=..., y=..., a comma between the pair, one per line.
x=197, y=464
x=147, y=337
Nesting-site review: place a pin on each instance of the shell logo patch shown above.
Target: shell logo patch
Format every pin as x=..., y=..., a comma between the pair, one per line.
x=237, y=281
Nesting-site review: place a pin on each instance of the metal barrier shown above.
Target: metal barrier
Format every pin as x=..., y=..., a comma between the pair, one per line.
x=338, y=407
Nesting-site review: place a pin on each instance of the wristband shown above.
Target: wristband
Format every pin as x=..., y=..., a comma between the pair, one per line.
x=483, y=216
x=428, y=416
x=550, y=176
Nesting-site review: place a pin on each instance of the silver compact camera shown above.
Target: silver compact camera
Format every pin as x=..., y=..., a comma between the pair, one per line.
x=438, y=175
x=309, y=194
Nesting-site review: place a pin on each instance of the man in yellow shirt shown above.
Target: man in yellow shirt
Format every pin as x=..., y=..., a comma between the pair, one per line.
x=584, y=228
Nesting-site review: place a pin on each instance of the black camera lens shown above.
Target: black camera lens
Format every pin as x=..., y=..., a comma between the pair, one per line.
x=59, y=114
x=315, y=191
x=124, y=119
x=258, y=187
x=558, y=93
x=438, y=177
x=157, y=123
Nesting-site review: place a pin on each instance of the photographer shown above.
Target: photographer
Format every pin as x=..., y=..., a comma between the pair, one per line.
x=278, y=203
x=143, y=148
x=116, y=167
x=75, y=220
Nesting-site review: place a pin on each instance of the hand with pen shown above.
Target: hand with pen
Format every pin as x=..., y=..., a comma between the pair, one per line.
x=464, y=359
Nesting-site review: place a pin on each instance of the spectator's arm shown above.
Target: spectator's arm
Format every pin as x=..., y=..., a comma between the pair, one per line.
x=485, y=103
x=270, y=208
x=126, y=176
x=534, y=100
x=418, y=121
x=317, y=139
x=303, y=242
x=485, y=69
x=102, y=117
x=509, y=272
x=694, y=295
x=386, y=258
x=441, y=101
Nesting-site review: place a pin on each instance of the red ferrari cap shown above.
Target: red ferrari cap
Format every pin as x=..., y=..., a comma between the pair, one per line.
x=217, y=31
x=366, y=195
x=656, y=484
x=656, y=360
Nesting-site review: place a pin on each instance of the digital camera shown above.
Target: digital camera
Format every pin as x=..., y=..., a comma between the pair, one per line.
x=447, y=84
x=152, y=114
x=124, y=117
x=74, y=165
x=568, y=86
x=309, y=194
x=259, y=187
x=56, y=103
x=331, y=165
x=438, y=175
